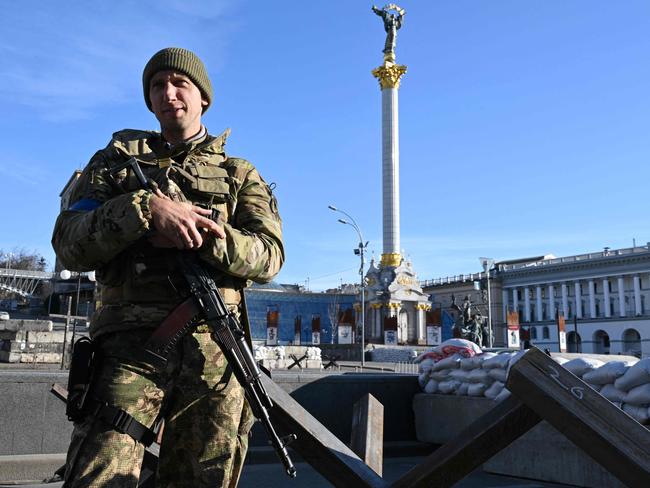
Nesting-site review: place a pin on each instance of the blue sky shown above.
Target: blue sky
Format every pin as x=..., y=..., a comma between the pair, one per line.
x=523, y=125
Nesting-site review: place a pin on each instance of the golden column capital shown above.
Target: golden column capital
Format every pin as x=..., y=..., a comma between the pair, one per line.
x=389, y=74
x=391, y=259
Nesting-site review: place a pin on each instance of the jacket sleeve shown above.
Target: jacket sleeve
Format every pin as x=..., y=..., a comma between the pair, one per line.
x=98, y=225
x=252, y=248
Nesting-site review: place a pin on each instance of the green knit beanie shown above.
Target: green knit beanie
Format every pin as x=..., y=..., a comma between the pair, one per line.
x=183, y=61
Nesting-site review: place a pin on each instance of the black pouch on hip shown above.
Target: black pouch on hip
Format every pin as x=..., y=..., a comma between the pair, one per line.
x=81, y=369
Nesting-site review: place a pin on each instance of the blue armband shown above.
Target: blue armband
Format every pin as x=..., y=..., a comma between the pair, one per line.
x=85, y=205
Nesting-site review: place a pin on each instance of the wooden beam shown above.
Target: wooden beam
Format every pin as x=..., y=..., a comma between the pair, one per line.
x=326, y=453
x=606, y=433
x=368, y=432
x=477, y=443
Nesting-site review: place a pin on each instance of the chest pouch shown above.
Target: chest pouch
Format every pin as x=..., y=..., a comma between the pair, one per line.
x=210, y=185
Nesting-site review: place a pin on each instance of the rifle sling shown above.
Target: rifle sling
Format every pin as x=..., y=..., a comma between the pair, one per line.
x=167, y=334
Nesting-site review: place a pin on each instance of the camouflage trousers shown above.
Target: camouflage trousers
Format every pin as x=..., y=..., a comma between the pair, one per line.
x=207, y=420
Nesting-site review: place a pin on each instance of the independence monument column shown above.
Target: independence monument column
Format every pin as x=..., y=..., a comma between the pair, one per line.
x=389, y=75
x=398, y=306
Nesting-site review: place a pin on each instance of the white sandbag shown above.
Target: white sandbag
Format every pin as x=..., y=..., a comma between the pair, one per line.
x=475, y=361
x=469, y=363
x=559, y=360
x=494, y=390
x=480, y=376
x=261, y=352
x=450, y=347
x=441, y=375
x=607, y=373
x=612, y=393
x=280, y=352
x=313, y=353
x=640, y=414
x=423, y=379
x=425, y=366
x=505, y=393
x=462, y=389
x=463, y=347
x=431, y=386
x=498, y=361
x=636, y=375
x=448, y=386
x=476, y=389
x=449, y=362
x=432, y=354
x=459, y=375
x=639, y=395
x=498, y=374
x=580, y=366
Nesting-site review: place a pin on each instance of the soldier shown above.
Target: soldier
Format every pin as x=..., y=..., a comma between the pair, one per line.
x=130, y=236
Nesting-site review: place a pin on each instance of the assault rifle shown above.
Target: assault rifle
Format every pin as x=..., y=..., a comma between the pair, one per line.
x=205, y=302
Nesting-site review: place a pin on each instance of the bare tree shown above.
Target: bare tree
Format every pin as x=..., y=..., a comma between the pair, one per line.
x=333, y=313
x=22, y=259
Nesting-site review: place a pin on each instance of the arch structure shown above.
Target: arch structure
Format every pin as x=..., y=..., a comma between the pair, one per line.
x=601, y=342
x=23, y=282
x=631, y=342
x=574, y=342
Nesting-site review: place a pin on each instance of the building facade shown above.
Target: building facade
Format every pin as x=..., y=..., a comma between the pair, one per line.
x=604, y=298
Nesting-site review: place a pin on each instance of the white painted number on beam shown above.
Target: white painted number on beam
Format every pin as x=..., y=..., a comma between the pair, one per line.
x=576, y=391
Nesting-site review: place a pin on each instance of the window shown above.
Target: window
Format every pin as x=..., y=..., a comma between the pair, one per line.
x=595, y=287
x=545, y=333
x=533, y=333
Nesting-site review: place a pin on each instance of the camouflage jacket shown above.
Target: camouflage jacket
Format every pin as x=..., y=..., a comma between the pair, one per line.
x=107, y=224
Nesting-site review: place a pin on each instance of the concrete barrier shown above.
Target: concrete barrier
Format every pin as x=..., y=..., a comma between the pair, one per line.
x=33, y=421
x=30, y=341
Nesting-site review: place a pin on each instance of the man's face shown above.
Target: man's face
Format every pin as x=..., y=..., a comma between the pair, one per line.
x=177, y=103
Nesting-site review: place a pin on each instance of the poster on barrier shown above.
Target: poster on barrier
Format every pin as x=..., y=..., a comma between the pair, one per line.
x=561, y=332
x=272, y=320
x=433, y=335
x=513, y=338
x=390, y=337
x=345, y=334
x=271, y=336
x=512, y=330
x=315, y=337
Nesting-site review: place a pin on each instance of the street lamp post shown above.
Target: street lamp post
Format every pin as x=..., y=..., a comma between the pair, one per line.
x=487, y=264
x=359, y=251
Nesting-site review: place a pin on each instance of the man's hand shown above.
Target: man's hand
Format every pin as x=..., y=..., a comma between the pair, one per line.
x=180, y=224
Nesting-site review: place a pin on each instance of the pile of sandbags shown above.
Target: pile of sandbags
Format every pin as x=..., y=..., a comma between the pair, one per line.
x=626, y=384
x=313, y=353
x=460, y=367
x=463, y=369
x=267, y=352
